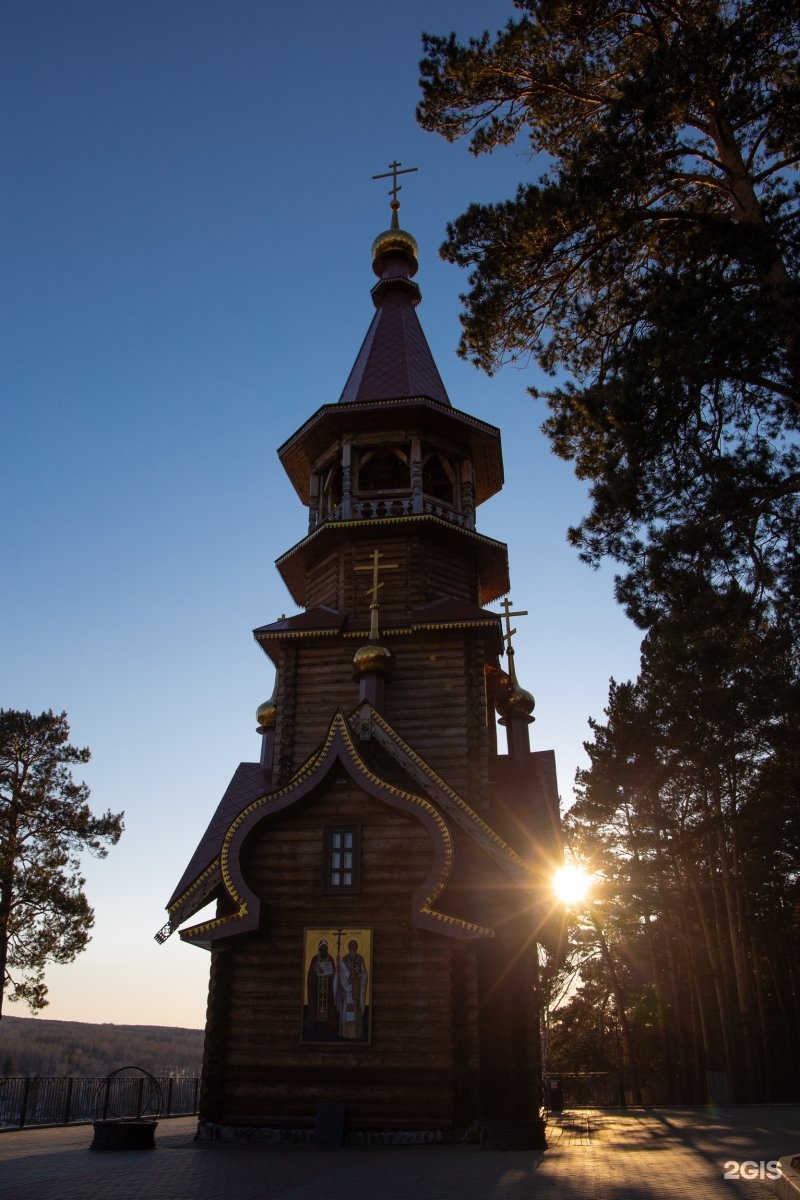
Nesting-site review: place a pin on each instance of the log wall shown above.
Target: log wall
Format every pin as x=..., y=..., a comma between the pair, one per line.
x=317, y=679
x=434, y=704
x=420, y=1070
x=435, y=674
x=427, y=570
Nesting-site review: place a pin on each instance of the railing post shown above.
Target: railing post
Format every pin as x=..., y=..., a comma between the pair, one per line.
x=313, y=501
x=24, y=1104
x=416, y=475
x=31, y=1100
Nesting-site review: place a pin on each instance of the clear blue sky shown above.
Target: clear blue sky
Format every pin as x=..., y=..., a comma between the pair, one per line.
x=187, y=216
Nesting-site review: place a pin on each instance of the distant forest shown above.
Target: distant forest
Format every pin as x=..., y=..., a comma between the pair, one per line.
x=32, y=1046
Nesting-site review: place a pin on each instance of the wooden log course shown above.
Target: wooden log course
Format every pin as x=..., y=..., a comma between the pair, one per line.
x=427, y=570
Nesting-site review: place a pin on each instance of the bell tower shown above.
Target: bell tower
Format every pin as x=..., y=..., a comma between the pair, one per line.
x=381, y=874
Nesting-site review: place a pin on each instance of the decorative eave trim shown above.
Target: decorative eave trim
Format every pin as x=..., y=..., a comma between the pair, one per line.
x=196, y=894
x=373, y=522
x=380, y=405
x=338, y=745
x=460, y=808
x=386, y=632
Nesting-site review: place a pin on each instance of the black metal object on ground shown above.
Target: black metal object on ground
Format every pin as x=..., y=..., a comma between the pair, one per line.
x=124, y=1135
x=125, y=1110
x=329, y=1125
x=555, y=1094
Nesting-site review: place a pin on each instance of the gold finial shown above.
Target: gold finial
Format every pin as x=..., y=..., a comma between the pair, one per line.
x=375, y=566
x=267, y=713
x=392, y=173
x=372, y=656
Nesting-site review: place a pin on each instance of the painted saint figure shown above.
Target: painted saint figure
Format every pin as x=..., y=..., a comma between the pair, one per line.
x=322, y=989
x=351, y=990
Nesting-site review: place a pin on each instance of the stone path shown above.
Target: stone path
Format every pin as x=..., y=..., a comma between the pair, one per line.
x=639, y=1154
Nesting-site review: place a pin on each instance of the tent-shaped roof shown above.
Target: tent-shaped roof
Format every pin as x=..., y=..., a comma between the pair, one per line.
x=395, y=360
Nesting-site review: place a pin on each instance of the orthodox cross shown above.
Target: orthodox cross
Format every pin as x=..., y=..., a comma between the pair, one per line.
x=375, y=566
x=394, y=172
x=509, y=633
x=339, y=935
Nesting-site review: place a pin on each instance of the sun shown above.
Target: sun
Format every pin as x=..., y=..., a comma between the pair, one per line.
x=571, y=884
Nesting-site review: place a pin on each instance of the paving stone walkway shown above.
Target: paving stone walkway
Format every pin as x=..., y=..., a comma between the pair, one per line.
x=638, y=1154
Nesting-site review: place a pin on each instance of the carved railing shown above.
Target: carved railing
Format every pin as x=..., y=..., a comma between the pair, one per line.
x=437, y=509
x=395, y=506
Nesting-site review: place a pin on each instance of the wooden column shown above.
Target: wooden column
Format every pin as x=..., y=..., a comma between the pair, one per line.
x=347, y=480
x=510, y=1065
x=283, y=752
x=466, y=1082
x=313, y=502
x=416, y=475
x=467, y=493
x=372, y=689
x=518, y=737
x=212, y=1084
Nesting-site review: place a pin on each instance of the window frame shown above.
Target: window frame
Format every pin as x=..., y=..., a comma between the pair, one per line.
x=329, y=888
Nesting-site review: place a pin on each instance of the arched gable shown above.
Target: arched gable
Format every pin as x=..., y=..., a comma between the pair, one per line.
x=338, y=751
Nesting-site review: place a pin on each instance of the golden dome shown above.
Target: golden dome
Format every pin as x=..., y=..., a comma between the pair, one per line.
x=513, y=701
x=394, y=241
x=266, y=715
x=372, y=656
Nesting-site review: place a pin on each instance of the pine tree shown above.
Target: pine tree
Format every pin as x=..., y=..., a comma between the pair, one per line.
x=688, y=813
x=45, y=824
x=655, y=263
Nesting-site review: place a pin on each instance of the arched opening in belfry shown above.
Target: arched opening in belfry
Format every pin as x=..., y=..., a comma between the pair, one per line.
x=331, y=488
x=383, y=470
x=438, y=477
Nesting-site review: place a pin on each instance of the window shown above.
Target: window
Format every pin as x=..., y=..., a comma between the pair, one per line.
x=342, y=859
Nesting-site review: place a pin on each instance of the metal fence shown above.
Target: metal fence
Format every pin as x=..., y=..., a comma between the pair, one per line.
x=64, y=1101
x=590, y=1089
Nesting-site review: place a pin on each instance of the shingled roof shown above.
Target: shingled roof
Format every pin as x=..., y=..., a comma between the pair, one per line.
x=395, y=359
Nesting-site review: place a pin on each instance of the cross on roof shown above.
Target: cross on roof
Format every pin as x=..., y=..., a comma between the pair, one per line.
x=507, y=615
x=393, y=172
x=375, y=566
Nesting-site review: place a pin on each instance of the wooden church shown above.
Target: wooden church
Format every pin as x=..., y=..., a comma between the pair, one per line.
x=382, y=874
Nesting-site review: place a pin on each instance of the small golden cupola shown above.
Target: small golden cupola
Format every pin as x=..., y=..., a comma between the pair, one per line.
x=372, y=656
x=395, y=260
x=267, y=713
x=512, y=699
x=267, y=716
